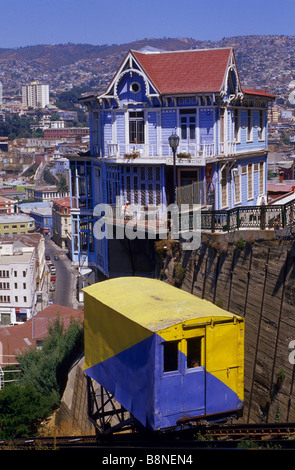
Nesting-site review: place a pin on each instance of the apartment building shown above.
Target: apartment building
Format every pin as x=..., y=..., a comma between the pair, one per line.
x=61, y=221
x=17, y=282
x=35, y=95
x=16, y=224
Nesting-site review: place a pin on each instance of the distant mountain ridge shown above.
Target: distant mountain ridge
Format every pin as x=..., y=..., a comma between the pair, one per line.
x=262, y=60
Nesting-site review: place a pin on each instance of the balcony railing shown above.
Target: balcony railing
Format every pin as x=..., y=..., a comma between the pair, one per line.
x=185, y=150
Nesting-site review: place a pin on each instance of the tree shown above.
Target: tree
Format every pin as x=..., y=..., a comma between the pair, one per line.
x=34, y=397
x=62, y=186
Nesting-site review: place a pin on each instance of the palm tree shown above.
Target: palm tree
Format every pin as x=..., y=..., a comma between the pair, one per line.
x=62, y=186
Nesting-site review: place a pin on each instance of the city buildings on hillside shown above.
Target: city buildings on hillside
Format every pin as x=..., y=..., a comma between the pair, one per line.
x=45, y=193
x=61, y=222
x=36, y=241
x=75, y=133
x=35, y=95
x=43, y=220
x=16, y=224
x=8, y=205
x=17, y=282
x=221, y=130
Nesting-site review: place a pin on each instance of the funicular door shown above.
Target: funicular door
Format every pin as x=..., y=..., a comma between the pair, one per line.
x=193, y=346
x=183, y=376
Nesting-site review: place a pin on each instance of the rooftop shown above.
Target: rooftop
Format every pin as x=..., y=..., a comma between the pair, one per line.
x=193, y=71
x=15, y=218
x=19, y=338
x=164, y=305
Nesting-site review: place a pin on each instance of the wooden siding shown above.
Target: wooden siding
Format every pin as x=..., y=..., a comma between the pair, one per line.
x=206, y=124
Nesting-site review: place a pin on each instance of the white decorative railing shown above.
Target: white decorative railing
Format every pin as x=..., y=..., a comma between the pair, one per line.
x=185, y=150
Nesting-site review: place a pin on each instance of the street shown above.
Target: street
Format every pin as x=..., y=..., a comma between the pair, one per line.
x=64, y=286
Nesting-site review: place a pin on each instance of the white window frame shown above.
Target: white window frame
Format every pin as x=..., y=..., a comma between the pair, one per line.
x=261, y=130
x=224, y=206
x=237, y=178
x=250, y=130
x=237, y=125
x=250, y=195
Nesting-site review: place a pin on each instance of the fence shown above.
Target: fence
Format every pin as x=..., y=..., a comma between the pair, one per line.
x=264, y=217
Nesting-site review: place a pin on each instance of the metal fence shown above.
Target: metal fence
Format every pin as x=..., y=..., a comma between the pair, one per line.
x=264, y=217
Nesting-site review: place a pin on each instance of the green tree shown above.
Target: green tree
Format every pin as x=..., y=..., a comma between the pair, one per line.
x=21, y=410
x=44, y=374
x=62, y=186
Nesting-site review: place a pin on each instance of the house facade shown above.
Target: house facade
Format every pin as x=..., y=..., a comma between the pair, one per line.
x=196, y=94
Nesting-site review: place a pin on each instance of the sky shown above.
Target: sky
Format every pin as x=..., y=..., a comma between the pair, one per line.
x=96, y=22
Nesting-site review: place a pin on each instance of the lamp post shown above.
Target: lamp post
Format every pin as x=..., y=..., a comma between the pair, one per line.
x=174, y=142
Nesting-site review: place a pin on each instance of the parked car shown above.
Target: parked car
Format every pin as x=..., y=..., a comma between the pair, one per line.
x=52, y=278
x=52, y=288
x=47, y=257
x=56, y=257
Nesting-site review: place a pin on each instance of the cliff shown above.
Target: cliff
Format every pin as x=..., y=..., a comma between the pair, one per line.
x=255, y=279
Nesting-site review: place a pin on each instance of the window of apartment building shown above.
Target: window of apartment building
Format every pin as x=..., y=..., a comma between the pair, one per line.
x=188, y=124
x=24, y=273
x=4, y=285
x=5, y=298
x=249, y=124
x=4, y=273
x=15, y=273
x=250, y=181
x=136, y=127
x=15, y=285
x=224, y=174
x=261, y=178
x=261, y=130
x=237, y=184
x=236, y=125
x=24, y=285
x=25, y=299
x=221, y=126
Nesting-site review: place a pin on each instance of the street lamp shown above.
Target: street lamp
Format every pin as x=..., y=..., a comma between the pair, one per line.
x=174, y=142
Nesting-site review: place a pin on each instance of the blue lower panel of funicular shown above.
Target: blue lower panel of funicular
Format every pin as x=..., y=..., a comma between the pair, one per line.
x=158, y=400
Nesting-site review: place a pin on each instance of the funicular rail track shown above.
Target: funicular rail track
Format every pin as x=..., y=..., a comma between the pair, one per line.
x=228, y=436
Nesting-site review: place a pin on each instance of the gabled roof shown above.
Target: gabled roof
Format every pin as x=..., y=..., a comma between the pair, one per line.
x=193, y=71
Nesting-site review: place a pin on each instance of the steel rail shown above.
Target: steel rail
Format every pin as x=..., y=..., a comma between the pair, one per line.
x=195, y=437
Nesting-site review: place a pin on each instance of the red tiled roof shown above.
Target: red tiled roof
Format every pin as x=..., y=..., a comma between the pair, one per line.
x=63, y=201
x=262, y=92
x=19, y=338
x=193, y=71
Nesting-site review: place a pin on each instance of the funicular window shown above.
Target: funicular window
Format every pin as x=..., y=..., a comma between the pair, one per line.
x=194, y=352
x=170, y=356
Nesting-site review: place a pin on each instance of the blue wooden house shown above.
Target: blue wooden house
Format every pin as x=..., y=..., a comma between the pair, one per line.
x=222, y=130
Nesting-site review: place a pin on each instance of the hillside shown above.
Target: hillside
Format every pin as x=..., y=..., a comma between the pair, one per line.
x=267, y=61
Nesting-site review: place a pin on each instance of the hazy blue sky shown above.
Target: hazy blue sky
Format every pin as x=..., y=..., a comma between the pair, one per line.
x=29, y=22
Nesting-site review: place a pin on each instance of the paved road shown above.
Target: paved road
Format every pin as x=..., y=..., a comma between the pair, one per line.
x=64, y=284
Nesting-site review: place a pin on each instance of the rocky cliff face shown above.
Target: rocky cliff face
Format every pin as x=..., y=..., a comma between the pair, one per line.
x=254, y=279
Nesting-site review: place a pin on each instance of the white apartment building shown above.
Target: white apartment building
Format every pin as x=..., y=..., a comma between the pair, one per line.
x=35, y=95
x=17, y=282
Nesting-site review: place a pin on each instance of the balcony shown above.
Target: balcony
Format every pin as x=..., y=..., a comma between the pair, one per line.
x=188, y=153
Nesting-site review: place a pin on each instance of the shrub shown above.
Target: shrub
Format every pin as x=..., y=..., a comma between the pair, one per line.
x=44, y=374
